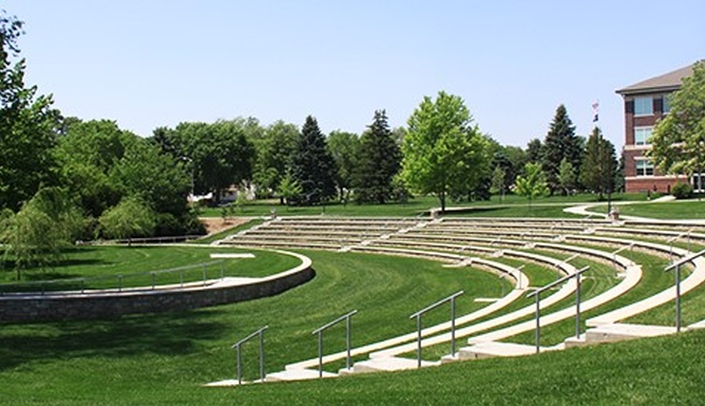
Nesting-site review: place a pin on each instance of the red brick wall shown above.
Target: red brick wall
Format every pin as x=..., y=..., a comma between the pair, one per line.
x=646, y=183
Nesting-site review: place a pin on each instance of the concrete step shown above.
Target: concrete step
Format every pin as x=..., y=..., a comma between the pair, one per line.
x=491, y=349
x=297, y=375
x=385, y=364
x=622, y=331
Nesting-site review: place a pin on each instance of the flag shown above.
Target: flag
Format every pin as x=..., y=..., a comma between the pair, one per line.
x=595, y=111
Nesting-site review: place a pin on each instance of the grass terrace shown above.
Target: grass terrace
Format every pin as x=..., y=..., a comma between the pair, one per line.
x=165, y=358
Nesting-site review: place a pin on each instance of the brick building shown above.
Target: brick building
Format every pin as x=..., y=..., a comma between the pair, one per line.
x=644, y=104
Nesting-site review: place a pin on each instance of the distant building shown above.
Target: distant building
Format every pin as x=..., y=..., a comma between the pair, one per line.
x=644, y=104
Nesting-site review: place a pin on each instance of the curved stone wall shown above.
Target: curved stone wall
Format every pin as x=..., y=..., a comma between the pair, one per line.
x=74, y=305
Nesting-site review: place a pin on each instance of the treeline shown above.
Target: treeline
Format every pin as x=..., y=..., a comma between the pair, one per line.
x=91, y=179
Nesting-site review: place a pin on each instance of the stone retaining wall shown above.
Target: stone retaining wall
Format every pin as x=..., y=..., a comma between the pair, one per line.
x=110, y=305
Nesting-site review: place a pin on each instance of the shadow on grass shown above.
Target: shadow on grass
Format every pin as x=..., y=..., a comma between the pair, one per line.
x=168, y=334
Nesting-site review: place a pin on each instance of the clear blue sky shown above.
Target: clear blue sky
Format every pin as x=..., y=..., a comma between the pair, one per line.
x=150, y=63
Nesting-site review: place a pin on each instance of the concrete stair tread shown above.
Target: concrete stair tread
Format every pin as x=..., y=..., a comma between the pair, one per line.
x=389, y=364
x=297, y=375
x=500, y=349
x=636, y=330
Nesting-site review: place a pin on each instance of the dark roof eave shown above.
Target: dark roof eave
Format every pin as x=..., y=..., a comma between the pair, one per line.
x=648, y=90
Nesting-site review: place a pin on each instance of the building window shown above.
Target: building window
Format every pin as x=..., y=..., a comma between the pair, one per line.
x=666, y=104
x=644, y=167
x=643, y=106
x=642, y=135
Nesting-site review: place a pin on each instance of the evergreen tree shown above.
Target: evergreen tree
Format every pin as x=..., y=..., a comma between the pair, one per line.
x=600, y=164
x=560, y=142
x=379, y=161
x=534, y=151
x=312, y=166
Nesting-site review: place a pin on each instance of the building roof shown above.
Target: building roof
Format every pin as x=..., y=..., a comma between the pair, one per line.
x=664, y=83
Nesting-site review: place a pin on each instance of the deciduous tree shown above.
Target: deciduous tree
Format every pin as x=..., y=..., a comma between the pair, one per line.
x=443, y=152
x=28, y=125
x=344, y=147
x=533, y=183
x=37, y=235
x=678, y=140
x=130, y=218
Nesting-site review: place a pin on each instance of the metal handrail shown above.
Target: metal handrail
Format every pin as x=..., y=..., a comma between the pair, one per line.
x=421, y=312
x=82, y=280
x=537, y=294
x=677, y=275
x=336, y=321
x=237, y=346
x=348, y=339
x=438, y=303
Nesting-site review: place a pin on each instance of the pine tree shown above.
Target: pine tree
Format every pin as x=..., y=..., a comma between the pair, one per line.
x=560, y=142
x=312, y=165
x=379, y=160
x=598, y=171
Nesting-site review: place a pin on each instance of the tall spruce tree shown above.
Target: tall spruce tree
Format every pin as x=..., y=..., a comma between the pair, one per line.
x=312, y=165
x=379, y=160
x=560, y=142
x=598, y=171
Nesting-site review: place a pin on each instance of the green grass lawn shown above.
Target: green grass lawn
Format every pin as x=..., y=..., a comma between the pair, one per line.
x=104, y=264
x=415, y=206
x=148, y=359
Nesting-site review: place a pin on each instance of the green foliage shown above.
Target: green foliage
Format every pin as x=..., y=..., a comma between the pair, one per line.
x=241, y=200
x=566, y=176
x=498, y=177
x=28, y=125
x=678, y=140
x=533, y=183
x=344, y=147
x=598, y=171
x=534, y=151
x=312, y=165
x=289, y=188
x=220, y=154
x=274, y=153
x=130, y=218
x=45, y=226
x=86, y=154
x=682, y=190
x=443, y=153
x=378, y=162
x=560, y=142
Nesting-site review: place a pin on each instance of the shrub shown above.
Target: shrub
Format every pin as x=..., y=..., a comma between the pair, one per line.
x=682, y=190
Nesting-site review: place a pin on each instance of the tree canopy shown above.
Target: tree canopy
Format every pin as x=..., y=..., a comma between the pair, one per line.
x=28, y=125
x=533, y=183
x=344, y=147
x=443, y=152
x=678, y=140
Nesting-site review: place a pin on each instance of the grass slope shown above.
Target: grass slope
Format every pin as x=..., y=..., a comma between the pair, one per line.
x=162, y=359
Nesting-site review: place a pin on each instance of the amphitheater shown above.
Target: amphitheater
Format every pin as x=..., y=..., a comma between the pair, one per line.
x=496, y=245
x=500, y=246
